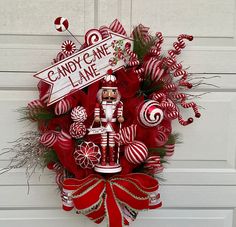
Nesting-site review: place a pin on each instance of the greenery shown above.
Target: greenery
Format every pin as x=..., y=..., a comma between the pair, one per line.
x=142, y=48
x=36, y=113
x=49, y=156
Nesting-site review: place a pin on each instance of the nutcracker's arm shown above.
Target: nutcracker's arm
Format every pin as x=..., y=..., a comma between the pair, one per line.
x=120, y=112
x=97, y=113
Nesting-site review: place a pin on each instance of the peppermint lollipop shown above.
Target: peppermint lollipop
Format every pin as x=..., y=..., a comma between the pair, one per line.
x=61, y=24
x=68, y=47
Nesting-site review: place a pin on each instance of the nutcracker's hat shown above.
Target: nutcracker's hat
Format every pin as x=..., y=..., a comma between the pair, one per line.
x=109, y=82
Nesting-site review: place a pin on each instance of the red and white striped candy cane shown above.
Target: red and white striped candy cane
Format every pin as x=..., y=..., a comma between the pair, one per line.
x=160, y=38
x=133, y=62
x=159, y=97
x=184, y=74
x=139, y=71
x=178, y=46
x=183, y=103
x=170, y=87
x=176, y=66
x=185, y=122
x=182, y=37
x=171, y=112
x=156, y=50
x=129, y=51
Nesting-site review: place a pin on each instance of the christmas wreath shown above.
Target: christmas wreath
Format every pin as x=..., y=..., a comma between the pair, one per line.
x=104, y=117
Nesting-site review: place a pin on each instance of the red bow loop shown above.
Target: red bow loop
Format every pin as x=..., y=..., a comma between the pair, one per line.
x=94, y=196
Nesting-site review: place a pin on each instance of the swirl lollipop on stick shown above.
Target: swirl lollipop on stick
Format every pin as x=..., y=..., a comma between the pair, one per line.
x=62, y=24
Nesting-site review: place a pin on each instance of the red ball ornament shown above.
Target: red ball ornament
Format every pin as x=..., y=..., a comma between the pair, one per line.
x=150, y=114
x=61, y=24
x=87, y=155
x=77, y=130
x=136, y=152
x=79, y=114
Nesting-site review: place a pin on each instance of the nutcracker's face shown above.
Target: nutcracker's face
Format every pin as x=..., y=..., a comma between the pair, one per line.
x=109, y=94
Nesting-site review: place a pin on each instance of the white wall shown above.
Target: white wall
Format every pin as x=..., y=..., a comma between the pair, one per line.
x=200, y=186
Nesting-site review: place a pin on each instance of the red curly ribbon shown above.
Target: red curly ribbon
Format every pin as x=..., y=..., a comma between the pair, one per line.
x=94, y=196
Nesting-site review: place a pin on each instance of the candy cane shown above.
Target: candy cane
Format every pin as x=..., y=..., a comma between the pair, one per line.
x=170, y=86
x=184, y=122
x=129, y=51
x=134, y=62
x=160, y=97
x=183, y=103
x=139, y=71
x=156, y=50
x=171, y=111
x=178, y=46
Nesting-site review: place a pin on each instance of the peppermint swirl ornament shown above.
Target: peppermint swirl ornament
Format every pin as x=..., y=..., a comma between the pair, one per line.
x=87, y=155
x=61, y=24
x=93, y=36
x=79, y=114
x=68, y=47
x=150, y=114
x=77, y=130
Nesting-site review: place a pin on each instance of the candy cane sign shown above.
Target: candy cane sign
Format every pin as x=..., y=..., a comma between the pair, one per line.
x=84, y=67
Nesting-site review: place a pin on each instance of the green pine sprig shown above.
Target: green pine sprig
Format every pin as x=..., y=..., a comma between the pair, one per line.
x=49, y=156
x=142, y=48
x=37, y=114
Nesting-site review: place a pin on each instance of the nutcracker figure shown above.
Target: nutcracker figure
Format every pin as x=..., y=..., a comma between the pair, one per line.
x=109, y=113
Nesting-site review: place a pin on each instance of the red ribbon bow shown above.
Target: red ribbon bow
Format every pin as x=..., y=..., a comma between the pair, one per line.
x=96, y=197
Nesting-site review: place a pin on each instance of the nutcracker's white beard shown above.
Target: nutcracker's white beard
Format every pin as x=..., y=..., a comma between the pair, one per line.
x=109, y=112
x=99, y=96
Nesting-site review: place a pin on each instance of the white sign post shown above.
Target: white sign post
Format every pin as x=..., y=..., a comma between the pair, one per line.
x=84, y=67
